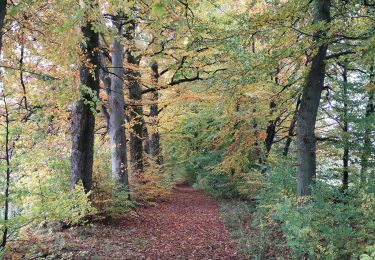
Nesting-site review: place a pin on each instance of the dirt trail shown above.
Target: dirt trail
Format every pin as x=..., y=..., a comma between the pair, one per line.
x=186, y=226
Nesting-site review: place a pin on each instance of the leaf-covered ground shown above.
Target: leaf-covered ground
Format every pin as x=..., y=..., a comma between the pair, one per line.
x=186, y=226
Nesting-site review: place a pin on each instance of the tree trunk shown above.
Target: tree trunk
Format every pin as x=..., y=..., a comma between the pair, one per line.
x=83, y=121
x=345, y=157
x=146, y=139
x=367, y=144
x=136, y=109
x=155, y=151
x=256, y=147
x=8, y=171
x=116, y=105
x=135, y=116
x=3, y=11
x=313, y=86
x=136, y=134
x=3, y=5
x=291, y=127
x=271, y=129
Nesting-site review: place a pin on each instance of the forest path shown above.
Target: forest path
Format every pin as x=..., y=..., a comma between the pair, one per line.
x=186, y=226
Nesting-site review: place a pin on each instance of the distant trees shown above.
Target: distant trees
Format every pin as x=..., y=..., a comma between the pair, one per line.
x=299, y=40
x=120, y=70
x=218, y=91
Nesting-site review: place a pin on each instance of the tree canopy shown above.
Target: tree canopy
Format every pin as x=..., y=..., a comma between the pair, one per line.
x=106, y=105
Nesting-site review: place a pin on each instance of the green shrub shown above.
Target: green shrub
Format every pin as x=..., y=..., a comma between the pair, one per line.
x=109, y=198
x=329, y=225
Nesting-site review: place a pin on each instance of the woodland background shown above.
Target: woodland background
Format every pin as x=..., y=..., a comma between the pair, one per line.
x=267, y=106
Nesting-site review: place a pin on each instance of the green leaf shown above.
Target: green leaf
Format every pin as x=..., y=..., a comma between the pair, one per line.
x=158, y=9
x=15, y=9
x=73, y=20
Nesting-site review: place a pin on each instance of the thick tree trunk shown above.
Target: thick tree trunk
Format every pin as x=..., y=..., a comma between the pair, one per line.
x=155, y=151
x=136, y=108
x=345, y=157
x=313, y=86
x=136, y=134
x=83, y=113
x=135, y=116
x=291, y=127
x=117, y=113
x=367, y=144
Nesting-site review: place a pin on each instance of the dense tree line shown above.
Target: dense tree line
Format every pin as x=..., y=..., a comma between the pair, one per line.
x=106, y=104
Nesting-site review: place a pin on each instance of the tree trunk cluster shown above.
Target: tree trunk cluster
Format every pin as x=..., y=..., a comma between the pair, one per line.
x=115, y=81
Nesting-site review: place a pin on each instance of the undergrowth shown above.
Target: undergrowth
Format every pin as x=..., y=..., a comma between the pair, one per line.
x=267, y=221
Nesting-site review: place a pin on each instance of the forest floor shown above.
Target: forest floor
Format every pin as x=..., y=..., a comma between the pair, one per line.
x=186, y=226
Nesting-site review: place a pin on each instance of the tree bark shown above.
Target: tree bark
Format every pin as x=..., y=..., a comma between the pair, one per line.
x=83, y=114
x=3, y=11
x=116, y=127
x=271, y=129
x=345, y=157
x=155, y=151
x=313, y=86
x=8, y=171
x=135, y=116
x=146, y=139
x=136, y=109
x=3, y=5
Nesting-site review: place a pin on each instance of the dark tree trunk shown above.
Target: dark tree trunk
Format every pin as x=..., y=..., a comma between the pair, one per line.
x=345, y=160
x=3, y=5
x=271, y=130
x=3, y=11
x=146, y=139
x=291, y=127
x=117, y=113
x=83, y=114
x=7, y=181
x=345, y=157
x=257, y=148
x=136, y=122
x=271, y=127
x=155, y=151
x=313, y=86
x=136, y=108
x=367, y=144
